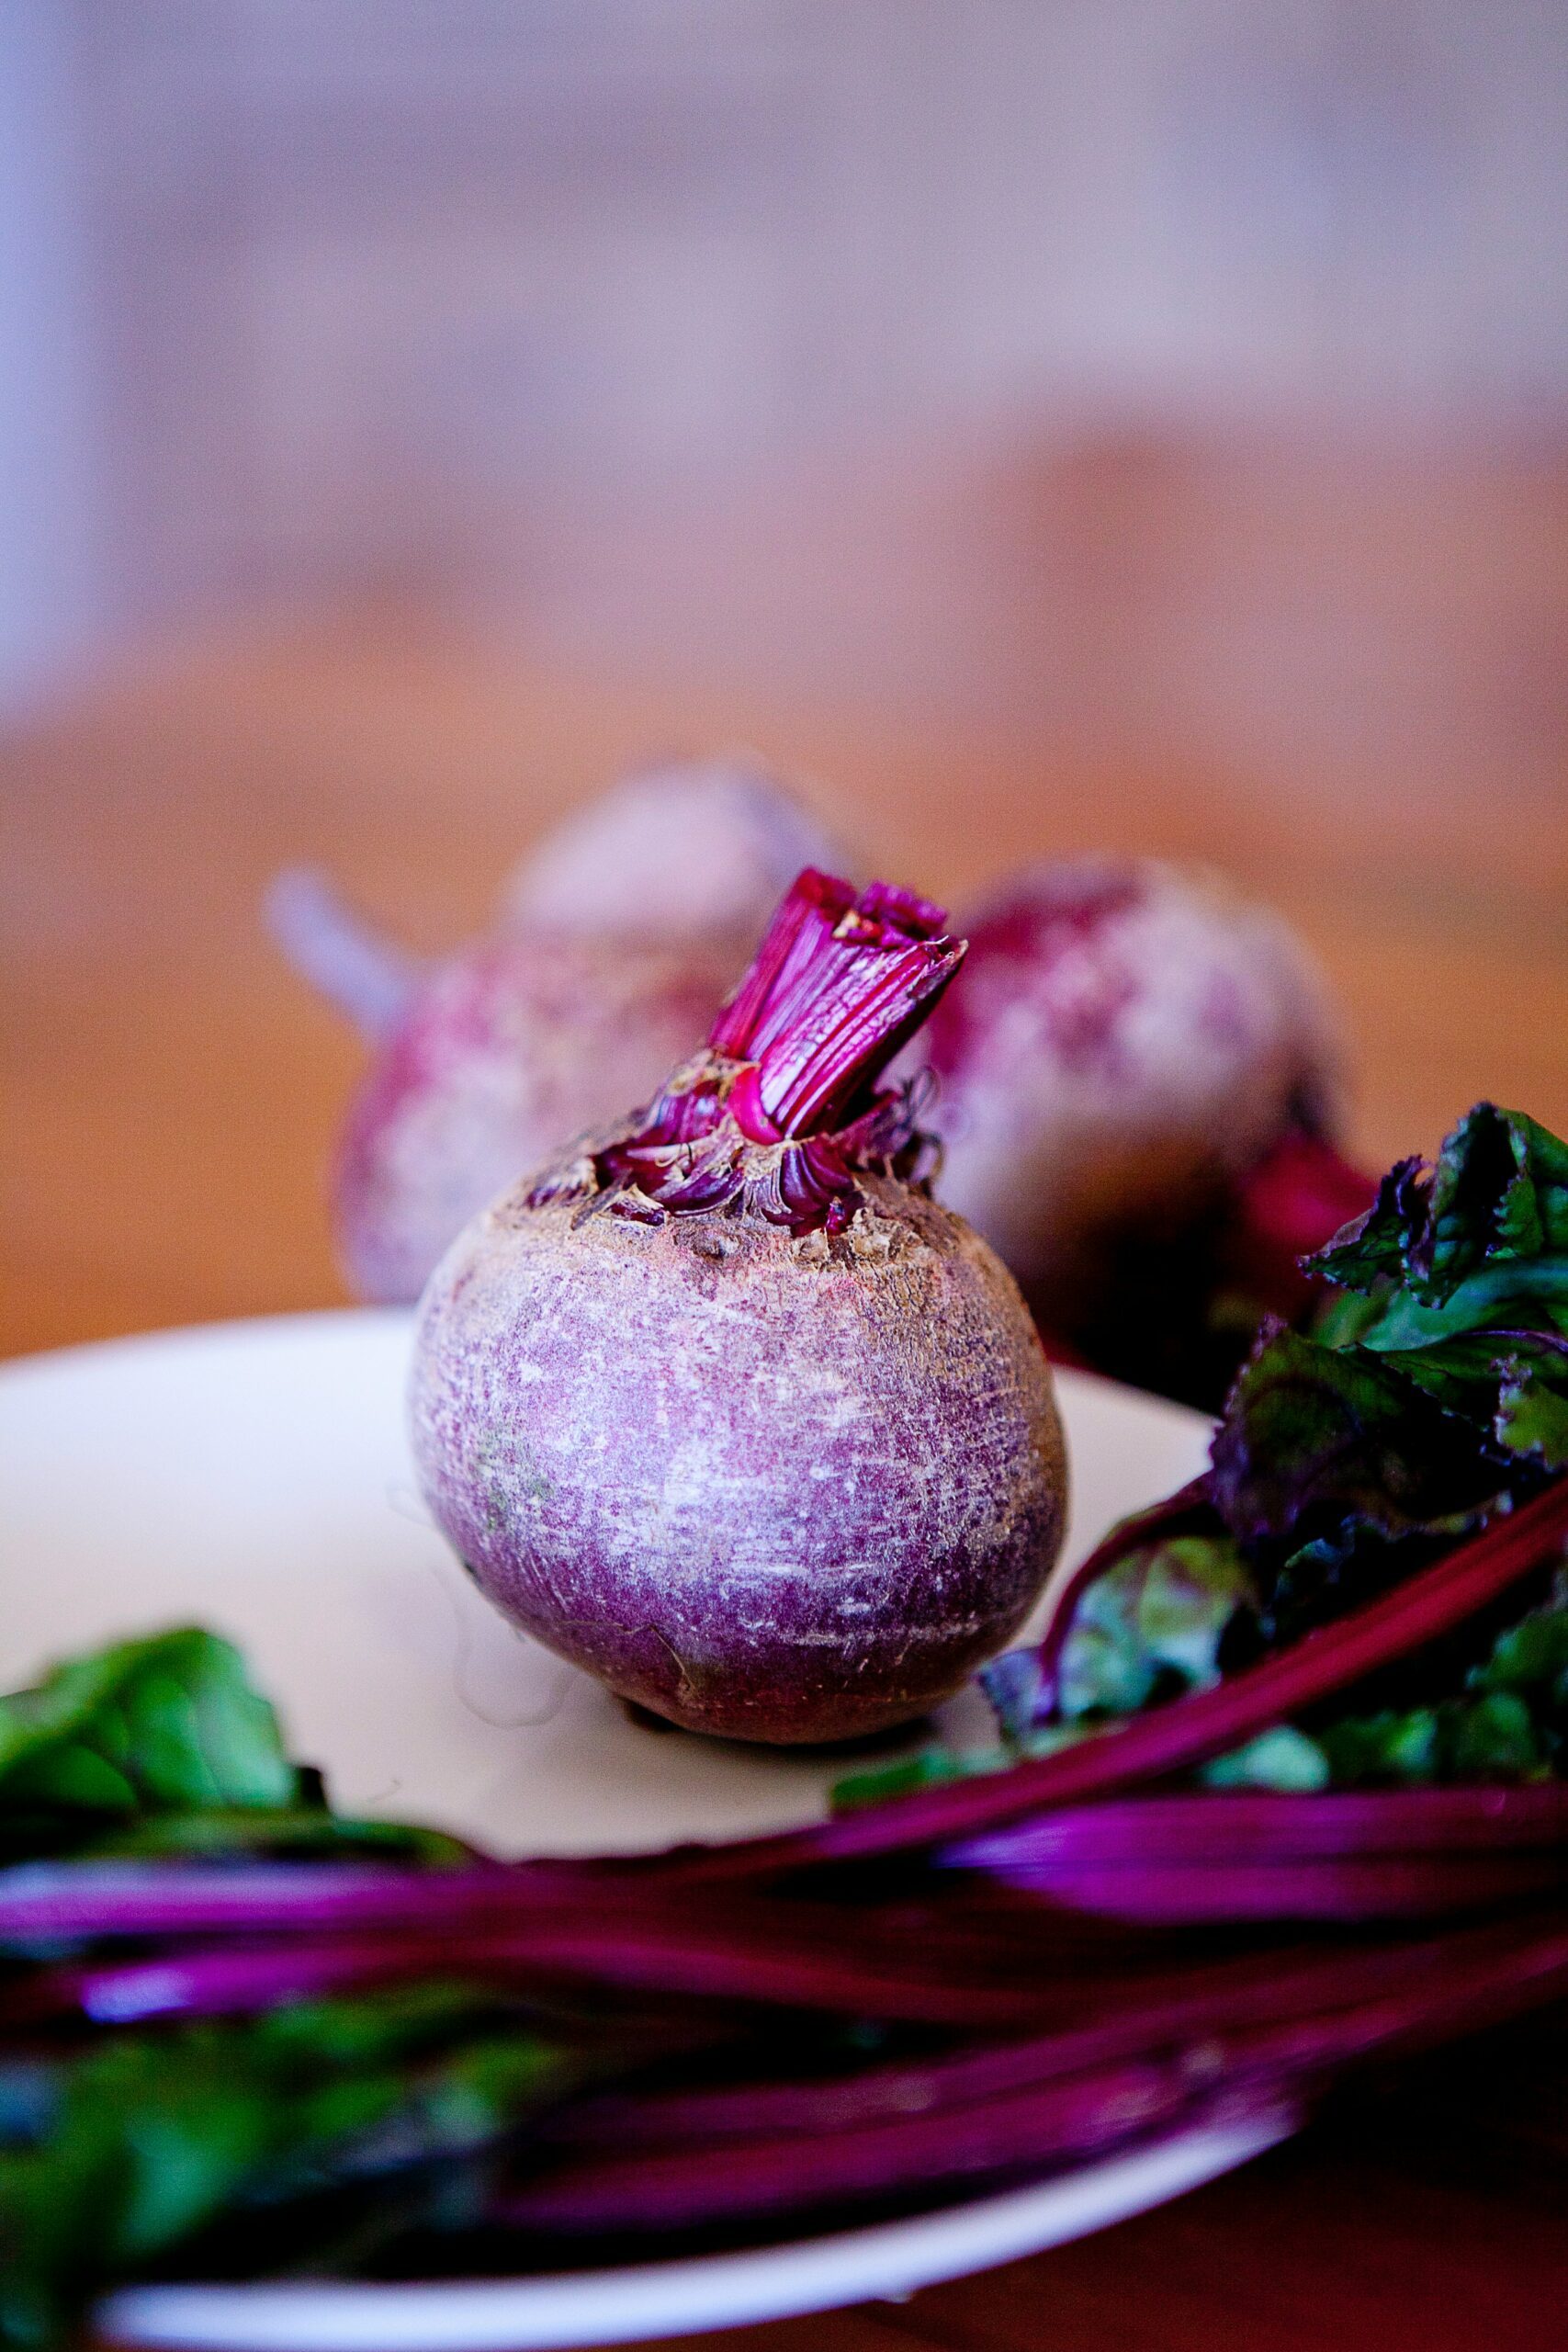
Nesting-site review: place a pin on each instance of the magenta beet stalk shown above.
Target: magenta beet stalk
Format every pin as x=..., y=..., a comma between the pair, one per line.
x=783, y=1108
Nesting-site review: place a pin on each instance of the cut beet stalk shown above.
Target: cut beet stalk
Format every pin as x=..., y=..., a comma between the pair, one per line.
x=837, y=986
x=1256, y=1826
x=1099, y=2021
x=333, y=949
x=1218, y=1893
x=799, y=933
x=1243, y=2069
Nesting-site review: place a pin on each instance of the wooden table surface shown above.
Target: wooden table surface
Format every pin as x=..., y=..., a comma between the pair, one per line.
x=172, y=1094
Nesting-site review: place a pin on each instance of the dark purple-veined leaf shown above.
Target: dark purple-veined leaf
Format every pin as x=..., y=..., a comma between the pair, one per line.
x=1323, y=1434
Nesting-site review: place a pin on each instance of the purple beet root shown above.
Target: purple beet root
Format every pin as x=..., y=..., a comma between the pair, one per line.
x=506, y=1051
x=620, y=935
x=723, y=1407
x=1130, y=1040
x=700, y=851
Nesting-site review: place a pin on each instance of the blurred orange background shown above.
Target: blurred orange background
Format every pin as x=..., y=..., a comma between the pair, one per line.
x=1035, y=427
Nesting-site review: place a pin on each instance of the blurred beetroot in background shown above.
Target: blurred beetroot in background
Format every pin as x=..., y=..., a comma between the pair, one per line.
x=618, y=937
x=1138, y=1095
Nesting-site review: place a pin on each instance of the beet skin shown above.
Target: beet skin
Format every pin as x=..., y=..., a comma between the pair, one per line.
x=781, y=1487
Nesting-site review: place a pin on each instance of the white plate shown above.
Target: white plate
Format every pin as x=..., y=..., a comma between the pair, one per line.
x=253, y=1477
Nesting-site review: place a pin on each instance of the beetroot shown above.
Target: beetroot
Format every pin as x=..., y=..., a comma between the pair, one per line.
x=603, y=972
x=698, y=851
x=1130, y=1043
x=507, y=1050
x=721, y=1406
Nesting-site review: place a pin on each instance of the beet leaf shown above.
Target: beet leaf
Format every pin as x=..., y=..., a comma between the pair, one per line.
x=141, y=2143
x=164, y=1746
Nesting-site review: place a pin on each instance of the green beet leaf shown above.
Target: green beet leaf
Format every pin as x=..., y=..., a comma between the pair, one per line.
x=935, y=1766
x=1507, y=1297
x=1466, y=1372
x=1374, y=1250
x=1531, y=1656
x=162, y=1725
x=1284, y=1760
x=1492, y=1736
x=1394, y=1748
x=301, y=1832
x=164, y=1747
x=1498, y=1192
x=1532, y=1420
x=1151, y=1627
x=141, y=2143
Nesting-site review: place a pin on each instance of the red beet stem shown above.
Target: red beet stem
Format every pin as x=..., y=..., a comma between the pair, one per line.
x=1096, y=2021
x=52, y=1902
x=1190, y=1730
x=1351, y=1888
x=1202, y=1828
x=838, y=986
x=691, y=2186
x=972, y=1969
x=1213, y=1857
x=1198, y=1829
x=1239, y=2067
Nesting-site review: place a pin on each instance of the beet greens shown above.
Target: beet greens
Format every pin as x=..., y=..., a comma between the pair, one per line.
x=1433, y=1403
x=1281, y=1792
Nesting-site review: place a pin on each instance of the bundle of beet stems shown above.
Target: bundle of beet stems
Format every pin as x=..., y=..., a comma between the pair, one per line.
x=1037, y=1923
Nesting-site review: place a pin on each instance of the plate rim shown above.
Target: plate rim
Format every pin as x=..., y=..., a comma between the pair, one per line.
x=635, y=2303
x=631, y=2303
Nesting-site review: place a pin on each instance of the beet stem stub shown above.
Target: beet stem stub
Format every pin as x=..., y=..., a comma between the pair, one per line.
x=839, y=986
x=336, y=950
